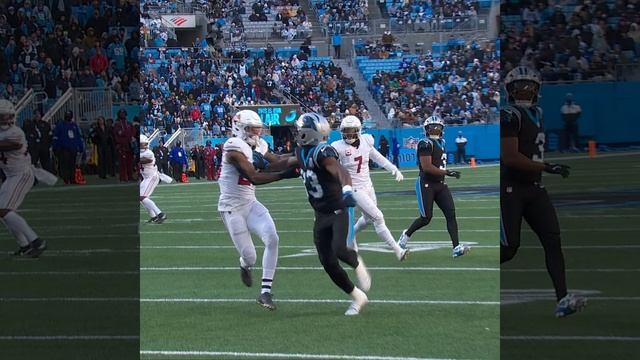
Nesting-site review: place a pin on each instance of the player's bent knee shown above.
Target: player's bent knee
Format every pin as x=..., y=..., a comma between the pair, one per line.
x=249, y=256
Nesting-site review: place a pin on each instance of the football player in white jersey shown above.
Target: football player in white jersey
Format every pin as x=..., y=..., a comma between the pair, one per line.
x=15, y=162
x=355, y=150
x=241, y=212
x=150, y=179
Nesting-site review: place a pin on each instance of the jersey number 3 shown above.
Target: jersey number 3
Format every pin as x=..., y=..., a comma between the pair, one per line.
x=540, y=141
x=312, y=184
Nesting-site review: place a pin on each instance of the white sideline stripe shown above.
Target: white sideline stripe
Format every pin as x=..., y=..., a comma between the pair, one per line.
x=327, y=301
x=294, y=231
x=277, y=355
x=29, y=273
x=70, y=337
x=383, y=268
x=573, y=270
x=572, y=338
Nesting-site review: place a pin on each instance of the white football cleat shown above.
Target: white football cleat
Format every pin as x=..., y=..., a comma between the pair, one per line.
x=402, y=254
x=460, y=250
x=364, y=278
x=404, y=238
x=359, y=300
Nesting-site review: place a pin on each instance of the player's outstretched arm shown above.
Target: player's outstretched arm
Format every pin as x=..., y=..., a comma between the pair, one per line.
x=511, y=157
x=280, y=162
x=247, y=170
x=386, y=164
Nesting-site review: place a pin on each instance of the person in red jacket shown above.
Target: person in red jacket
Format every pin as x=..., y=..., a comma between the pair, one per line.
x=99, y=62
x=195, y=114
x=123, y=134
x=209, y=160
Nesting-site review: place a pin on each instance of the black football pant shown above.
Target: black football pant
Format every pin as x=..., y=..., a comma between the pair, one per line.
x=531, y=202
x=330, y=235
x=438, y=192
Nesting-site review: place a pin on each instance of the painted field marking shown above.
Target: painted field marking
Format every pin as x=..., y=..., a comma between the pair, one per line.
x=175, y=353
x=69, y=337
x=321, y=301
x=317, y=268
x=571, y=338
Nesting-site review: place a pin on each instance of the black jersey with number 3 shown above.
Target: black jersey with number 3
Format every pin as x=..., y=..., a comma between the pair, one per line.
x=324, y=191
x=435, y=149
x=527, y=125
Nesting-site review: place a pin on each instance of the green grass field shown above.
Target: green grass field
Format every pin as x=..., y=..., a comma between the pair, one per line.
x=431, y=306
x=80, y=299
x=598, y=211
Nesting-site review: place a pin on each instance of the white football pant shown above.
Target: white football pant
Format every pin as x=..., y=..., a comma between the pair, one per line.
x=368, y=205
x=253, y=218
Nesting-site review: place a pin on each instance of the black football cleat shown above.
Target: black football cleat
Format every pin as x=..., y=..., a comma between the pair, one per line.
x=152, y=220
x=22, y=251
x=266, y=301
x=38, y=246
x=245, y=276
x=160, y=218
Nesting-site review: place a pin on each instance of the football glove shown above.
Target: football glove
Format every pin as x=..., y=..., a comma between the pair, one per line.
x=397, y=174
x=259, y=162
x=290, y=173
x=563, y=170
x=347, y=197
x=453, y=173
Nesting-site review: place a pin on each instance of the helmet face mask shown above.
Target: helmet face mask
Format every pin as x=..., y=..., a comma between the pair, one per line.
x=247, y=125
x=350, y=128
x=434, y=127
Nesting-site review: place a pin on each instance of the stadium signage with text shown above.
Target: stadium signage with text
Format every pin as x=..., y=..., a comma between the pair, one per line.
x=179, y=21
x=276, y=115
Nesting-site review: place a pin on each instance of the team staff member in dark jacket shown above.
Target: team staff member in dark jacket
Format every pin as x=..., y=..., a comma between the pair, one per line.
x=162, y=157
x=100, y=138
x=44, y=149
x=67, y=143
x=123, y=134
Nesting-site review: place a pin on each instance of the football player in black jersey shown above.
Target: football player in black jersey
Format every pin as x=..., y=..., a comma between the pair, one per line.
x=329, y=191
x=430, y=185
x=522, y=194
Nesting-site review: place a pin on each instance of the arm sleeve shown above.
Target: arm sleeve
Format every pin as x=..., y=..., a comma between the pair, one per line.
x=509, y=122
x=381, y=160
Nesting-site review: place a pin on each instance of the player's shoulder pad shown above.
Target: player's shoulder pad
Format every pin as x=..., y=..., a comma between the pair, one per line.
x=336, y=144
x=425, y=144
x=236, y=144
x=325, y=151
x=510, y=113
x=367, y=139
x=262, y=147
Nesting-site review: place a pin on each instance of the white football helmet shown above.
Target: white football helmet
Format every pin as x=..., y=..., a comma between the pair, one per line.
x=523, y=86
x=242, y=120
x=312, y=129
x=7, y=114
x=434, y=127
x=350, y=128
x=144, y=141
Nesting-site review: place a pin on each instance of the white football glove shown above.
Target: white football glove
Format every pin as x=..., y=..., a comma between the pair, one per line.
x=397, y=174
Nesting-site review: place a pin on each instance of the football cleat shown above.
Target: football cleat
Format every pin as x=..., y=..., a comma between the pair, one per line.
x=570, y=304
x=23, y=251
x=359, y=300
x=460, y=250
x=364, y=278
x=160, y=218
x=245, y=276
x=266, y=300
x=152, y=220
x=38, y=246
x=404, y=238
x=402, y=255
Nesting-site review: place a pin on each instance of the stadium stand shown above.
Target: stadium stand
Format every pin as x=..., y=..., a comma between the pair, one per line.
x=575, y=40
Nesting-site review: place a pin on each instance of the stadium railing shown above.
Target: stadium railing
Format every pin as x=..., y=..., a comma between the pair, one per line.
x=28, y=104
x=379, y=26
x=86, y=103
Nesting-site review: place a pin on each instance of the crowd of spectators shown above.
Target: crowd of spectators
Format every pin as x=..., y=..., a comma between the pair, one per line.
x=583, y=40
x=343, y=16
x=460, y=85
x=428, y=11
x=198, y=89
x=91, y=45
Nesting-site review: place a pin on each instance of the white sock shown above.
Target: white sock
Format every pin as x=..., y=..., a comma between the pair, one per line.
x=17, y=224
x=151, y=207
x=20, y=238
x=384, y=234
x=360, y=224
x=266, y=285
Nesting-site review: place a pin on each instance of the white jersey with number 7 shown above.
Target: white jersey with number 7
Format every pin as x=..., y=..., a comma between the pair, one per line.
x=356, y=160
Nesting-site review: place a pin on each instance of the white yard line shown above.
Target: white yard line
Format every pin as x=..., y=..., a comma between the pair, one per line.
x=573, y=270
x=176, y=353
x=322, y=301
x=186, y=232
x=317, y=268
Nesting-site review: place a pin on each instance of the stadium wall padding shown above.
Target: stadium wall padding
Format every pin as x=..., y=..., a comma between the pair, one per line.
x=609, y=110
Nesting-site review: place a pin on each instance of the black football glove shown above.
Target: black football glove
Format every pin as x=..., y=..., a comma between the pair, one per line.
x=348, y=199
x=453, y=173
x=290, y=173
x=563, y=170
x=259, y=162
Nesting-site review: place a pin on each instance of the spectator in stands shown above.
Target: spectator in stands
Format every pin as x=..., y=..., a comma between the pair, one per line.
x=124, y=135
x=67, y=143
x=336, y=41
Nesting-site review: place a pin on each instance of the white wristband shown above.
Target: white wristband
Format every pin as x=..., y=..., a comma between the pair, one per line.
x=347, y=188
